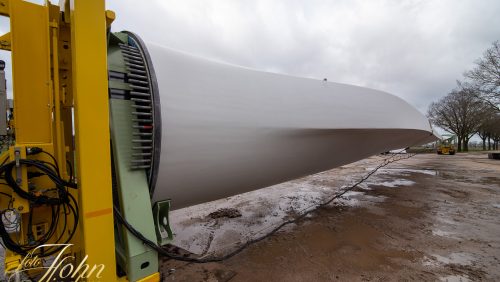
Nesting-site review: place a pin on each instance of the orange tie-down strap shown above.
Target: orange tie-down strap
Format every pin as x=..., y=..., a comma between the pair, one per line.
x=98, y=213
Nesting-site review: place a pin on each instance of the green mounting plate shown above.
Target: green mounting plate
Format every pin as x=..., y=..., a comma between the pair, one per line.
x=161, y=212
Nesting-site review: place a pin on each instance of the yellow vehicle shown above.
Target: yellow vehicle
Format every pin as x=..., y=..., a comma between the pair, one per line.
x=447, y=145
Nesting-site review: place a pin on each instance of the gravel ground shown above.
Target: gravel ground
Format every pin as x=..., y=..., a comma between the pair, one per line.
x=427, y=218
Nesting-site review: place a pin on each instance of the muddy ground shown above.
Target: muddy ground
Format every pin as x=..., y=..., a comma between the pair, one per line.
x=426, y=218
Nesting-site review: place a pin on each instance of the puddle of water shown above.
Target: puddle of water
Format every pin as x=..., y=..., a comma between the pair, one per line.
x=455, y=258
x=350, y=199
x=395, y=183
x=426, y=261
x=442, y=233
x=364, y=186
x=446, y=220
x=405, y=171
x=454, y=278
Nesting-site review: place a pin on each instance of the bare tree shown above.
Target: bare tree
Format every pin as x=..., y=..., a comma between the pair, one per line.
x=495, y=135
x=460, y=112
x=485, y=77
x=483, y=132
x=495, y=131
x=488, y=126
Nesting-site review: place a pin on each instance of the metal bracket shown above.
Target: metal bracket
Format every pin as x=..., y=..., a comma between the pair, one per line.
x=19, y=175
x=161, y=212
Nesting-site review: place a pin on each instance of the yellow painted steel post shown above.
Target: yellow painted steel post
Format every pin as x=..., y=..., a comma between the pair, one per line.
x=31, y=72
x=90, y=83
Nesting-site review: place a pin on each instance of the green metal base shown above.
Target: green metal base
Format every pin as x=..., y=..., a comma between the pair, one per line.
x=133, y=193
x=131, y=128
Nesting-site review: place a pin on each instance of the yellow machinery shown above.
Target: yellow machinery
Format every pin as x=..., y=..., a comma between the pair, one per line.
x=446, y=146
x=56, y=187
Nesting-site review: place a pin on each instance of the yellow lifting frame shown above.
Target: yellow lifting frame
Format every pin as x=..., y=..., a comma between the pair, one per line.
x=93, y=157
x=44, y=46
x=32, y=88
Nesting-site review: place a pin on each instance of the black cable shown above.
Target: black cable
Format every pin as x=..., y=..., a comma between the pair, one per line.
x=5, y=194
x=25, y=248
x=30, y=227
x=60, y=183
x=54, y=159
x=165, y=253
x=63, y=198
x=73, y=231
x=70, y=166
x=64, y=226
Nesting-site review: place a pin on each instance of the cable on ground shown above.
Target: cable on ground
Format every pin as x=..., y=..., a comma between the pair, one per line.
x=394, y=157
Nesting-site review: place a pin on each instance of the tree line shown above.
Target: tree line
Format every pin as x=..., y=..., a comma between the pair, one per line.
x=473, y=107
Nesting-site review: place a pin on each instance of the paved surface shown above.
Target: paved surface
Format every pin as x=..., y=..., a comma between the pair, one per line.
x=426, y=218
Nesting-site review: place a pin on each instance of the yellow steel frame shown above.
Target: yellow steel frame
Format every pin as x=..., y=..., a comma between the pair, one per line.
x=59, y=64
x=90, y=88
x=34, y=98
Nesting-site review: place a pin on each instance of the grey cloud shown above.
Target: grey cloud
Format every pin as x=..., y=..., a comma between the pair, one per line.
x=413, y=49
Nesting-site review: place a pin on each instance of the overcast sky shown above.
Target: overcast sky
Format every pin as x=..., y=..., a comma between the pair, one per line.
x=413, y=49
